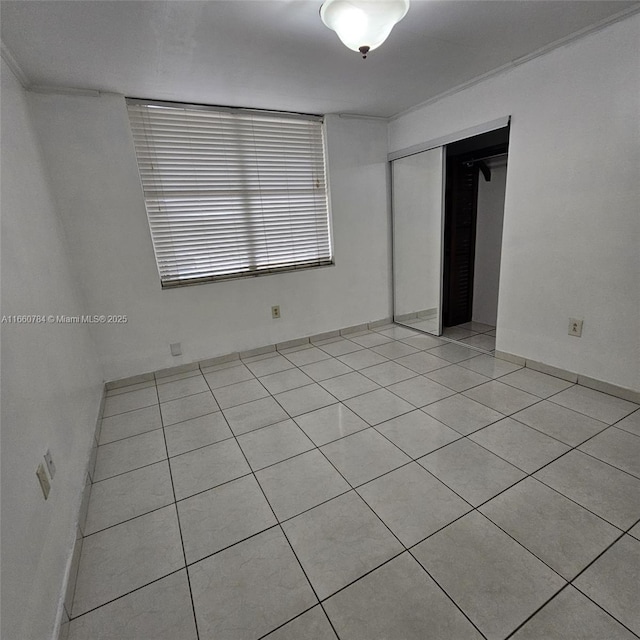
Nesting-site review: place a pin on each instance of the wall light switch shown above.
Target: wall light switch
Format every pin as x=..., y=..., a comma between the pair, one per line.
x=176, y=349
x=45, y=485
x=575, y=327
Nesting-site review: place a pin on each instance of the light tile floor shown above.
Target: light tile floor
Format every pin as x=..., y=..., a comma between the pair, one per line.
x=382, y=485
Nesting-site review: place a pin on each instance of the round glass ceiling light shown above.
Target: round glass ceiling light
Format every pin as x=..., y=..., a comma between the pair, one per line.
x=363, y=25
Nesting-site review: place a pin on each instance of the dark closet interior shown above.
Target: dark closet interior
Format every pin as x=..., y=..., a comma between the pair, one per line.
x=466, y=161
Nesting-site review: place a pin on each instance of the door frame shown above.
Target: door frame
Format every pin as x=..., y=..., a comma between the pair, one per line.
x=442, y=141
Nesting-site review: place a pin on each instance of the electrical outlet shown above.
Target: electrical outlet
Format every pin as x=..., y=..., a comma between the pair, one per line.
x=176, y=349
x=45, y=485
x=275, y=311
x=575, y=327
x=50, y=466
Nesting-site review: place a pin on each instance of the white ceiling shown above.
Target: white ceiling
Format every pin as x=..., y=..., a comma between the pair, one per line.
x=277, y=54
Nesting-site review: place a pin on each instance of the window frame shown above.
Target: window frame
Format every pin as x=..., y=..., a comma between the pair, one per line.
x=270, y=270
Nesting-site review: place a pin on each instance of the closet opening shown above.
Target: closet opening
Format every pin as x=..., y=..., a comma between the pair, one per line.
x=475, y=182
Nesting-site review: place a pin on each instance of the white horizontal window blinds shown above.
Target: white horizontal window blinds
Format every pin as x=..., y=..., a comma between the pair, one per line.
x=231, y=193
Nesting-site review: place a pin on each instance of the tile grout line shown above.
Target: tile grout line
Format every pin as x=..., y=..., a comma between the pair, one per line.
x=355, y=488
x=175, y=506
x=279, y=524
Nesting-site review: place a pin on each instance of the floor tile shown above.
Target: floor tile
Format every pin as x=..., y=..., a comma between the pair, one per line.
x=422, y=362
x=249, y=589
x=480, y=327
x=228, y=375
x=631, y=423
x=131, y=423
x=128, y=495
x=482, y=341
x=600, y=406
x=558, y=531
x=239, y=393
x=197, y=432
x=371, y=339
x=539, y=384
x=560, y=423
x=572, y=616
x=159, y=611
x=377, y=406
x=635, y=531
x=339, y=347
x=181, y=388
x=457, y=378
x=387, y=373
x=285, y=380
x=364, y=456
x=253, y=415
x=471, y=471
x=462, y=414
x=612, y=582
x=272, y=444
x=609, y=493
x=453, y=352
x=420, y=391
x=457, y=333
x=326, y=369
x=207, y=467
x=349, y=385
x=272, y=364
x=395, y=349
x=220, y=517
x=490, y=366
x=617, y=447
x=305, y=399
x=307, y=356
x=127, y=556
x=397, y=601
x=428, y=325
x=412, y=503
x=398, y=333
x=129, y=454
x=182, y=409
x=486, y=572
x=313, y=625
x=417, y=433
x=339, y=541
x=300, y=483
x=518, y=444
x=424, y=342
x=330, y=423
x=362, y=359
x=130, y=401
x=501, y=397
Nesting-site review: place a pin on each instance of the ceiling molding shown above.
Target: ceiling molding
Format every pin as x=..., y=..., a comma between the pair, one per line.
x=362, y=116
x=65, y=91
x=7, y=56
x=598, y=26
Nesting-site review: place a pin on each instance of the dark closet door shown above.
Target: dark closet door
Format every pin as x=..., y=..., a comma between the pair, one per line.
x=459, y=240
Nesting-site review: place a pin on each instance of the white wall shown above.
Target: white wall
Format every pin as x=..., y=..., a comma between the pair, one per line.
x=51, y=384
x=88, y=145
x=571, y=225
x=489, y=243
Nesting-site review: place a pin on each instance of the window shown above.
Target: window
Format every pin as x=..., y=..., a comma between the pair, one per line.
x=231, y=192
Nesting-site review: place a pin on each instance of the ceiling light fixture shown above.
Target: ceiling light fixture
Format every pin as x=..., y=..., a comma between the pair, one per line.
x=363, y=25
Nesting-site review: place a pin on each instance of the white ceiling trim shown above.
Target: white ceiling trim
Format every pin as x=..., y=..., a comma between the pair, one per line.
x=12, y=63
x=598, y=26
